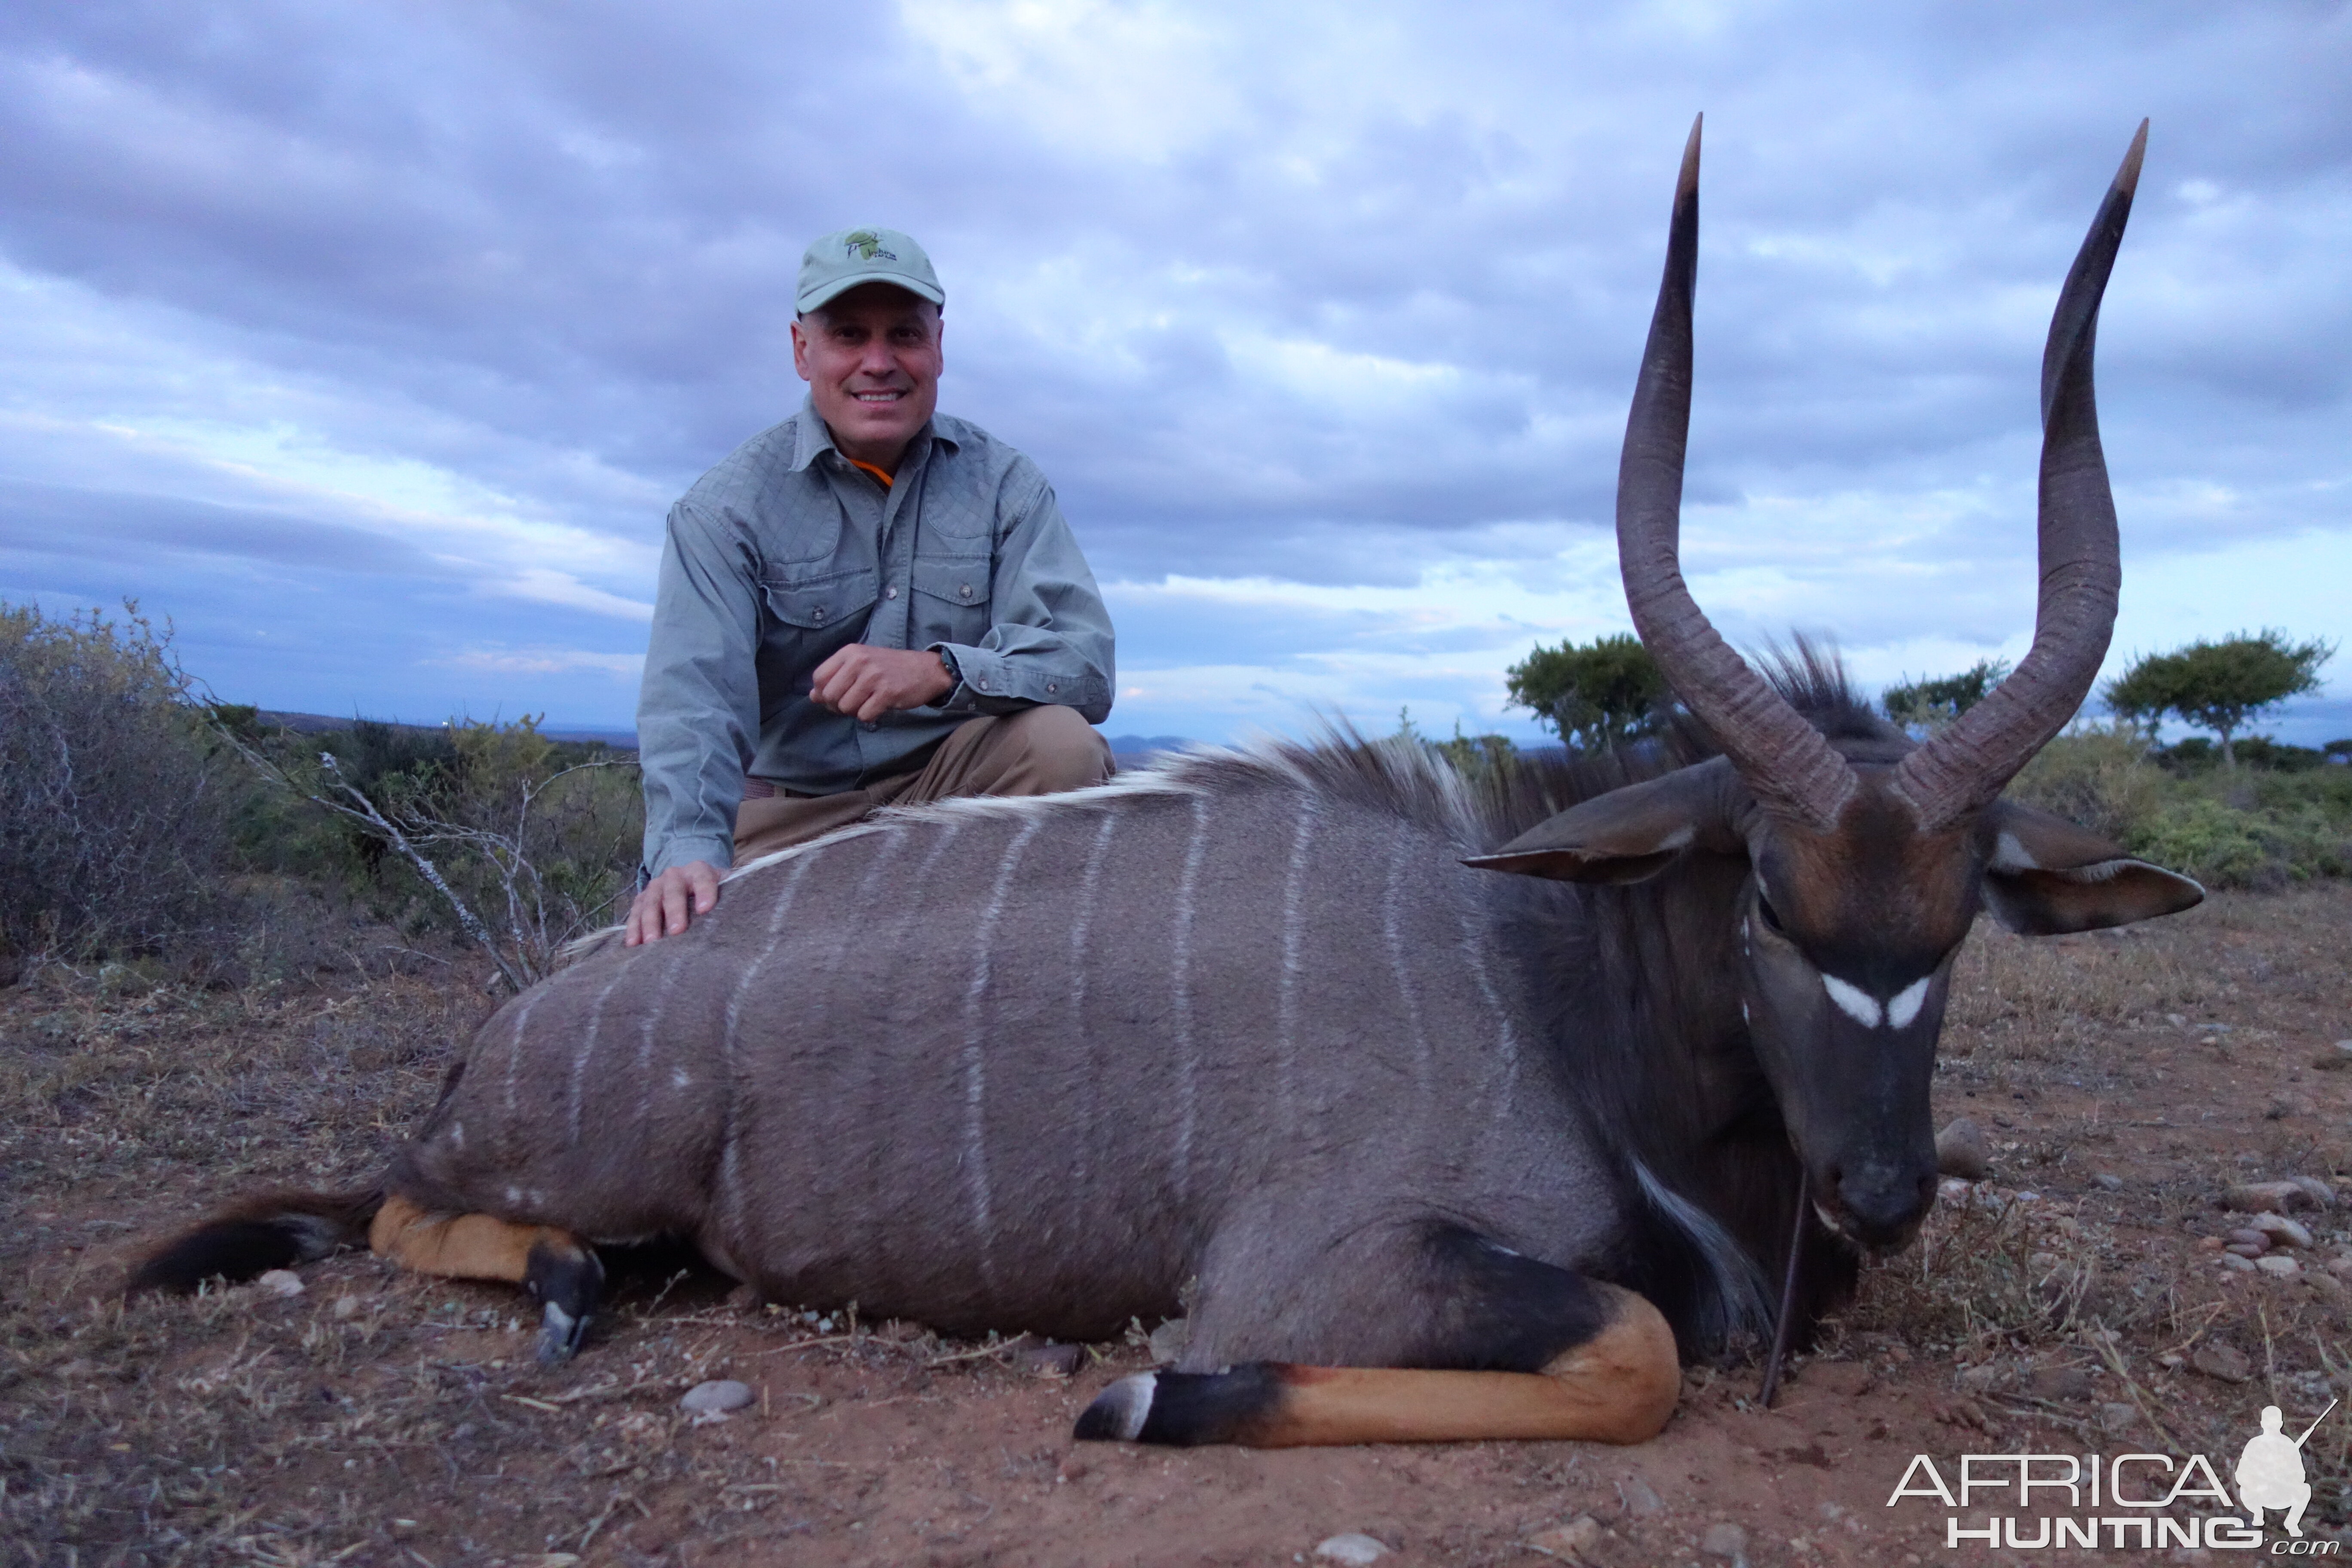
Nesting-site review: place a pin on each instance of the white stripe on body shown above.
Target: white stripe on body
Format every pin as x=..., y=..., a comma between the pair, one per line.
x=975, y=1061
x=514, y=1049
x=584, y=1053
x=656, y=1008
x=1081, y=924
x=730, y=1168
x=1424, y=1064
x=827, y=1177
x=1180, y=985
x=1506, y=1039
x=1287, y=1109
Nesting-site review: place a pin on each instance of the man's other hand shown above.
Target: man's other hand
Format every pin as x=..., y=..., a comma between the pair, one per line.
x=669, y=903
x=866, y=682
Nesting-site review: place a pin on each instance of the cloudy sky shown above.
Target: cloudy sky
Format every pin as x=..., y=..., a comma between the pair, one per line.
x=369, y=343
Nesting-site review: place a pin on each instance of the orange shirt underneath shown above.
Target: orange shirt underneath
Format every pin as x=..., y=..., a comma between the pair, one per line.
x=872, y=469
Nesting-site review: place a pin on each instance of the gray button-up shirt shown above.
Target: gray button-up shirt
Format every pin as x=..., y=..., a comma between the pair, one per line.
x=784, y=553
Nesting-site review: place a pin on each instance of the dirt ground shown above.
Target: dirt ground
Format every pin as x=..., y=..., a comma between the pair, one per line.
x=2076, y=1302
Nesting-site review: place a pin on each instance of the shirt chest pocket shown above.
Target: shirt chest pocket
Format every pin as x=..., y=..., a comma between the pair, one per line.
x=950, y=600
x=819, y=605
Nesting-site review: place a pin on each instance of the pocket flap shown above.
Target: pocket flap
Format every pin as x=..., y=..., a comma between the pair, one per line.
x=958, y=580
x=820, y=602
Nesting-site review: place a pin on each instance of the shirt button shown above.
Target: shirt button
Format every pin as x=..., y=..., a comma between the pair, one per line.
x=983, y=685
x=868, y=726
x=965, y=590
x=889, y=592
x=1051, y=689
x=817, y=616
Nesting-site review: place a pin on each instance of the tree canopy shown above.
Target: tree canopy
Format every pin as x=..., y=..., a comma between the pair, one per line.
x=1926, y=704
x=2219, y=685
x=1593, y=695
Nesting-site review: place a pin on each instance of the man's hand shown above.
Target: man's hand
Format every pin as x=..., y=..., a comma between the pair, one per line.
x=670, y=901
x=866, y=682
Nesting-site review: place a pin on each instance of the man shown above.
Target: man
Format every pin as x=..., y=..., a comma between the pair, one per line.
x=871, y=603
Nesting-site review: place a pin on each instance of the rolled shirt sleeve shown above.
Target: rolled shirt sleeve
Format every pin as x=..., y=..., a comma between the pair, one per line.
x=1050, y=637
x=698, y=710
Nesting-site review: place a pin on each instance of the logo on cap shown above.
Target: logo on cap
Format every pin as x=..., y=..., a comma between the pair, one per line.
x=866, y=246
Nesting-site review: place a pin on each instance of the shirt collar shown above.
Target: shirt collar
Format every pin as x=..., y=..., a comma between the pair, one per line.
x=810, y=438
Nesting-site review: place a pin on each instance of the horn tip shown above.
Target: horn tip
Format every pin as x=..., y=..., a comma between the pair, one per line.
x=2127, y=177
x=1689, y=181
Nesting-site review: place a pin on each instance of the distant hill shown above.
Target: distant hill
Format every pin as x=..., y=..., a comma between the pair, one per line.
x=1134, y=750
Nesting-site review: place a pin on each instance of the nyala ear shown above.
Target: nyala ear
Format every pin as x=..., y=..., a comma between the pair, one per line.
x=1629, y=834
x=2047, y=876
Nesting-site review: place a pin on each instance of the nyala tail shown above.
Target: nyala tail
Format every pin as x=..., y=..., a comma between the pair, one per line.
x=274, y=1230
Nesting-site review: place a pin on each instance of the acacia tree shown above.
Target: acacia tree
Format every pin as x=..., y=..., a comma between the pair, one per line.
x=1926, y=704
x=1594, y=695
x=2219, y=685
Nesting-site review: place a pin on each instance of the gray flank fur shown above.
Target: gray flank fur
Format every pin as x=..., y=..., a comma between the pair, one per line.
x=1035, y=1063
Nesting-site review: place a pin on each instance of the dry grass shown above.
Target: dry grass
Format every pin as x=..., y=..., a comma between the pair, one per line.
x=242, y=1428
x=2168, y=1060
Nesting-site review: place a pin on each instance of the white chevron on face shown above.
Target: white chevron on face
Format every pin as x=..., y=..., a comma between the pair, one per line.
x=1897, y=1012
x=1853, y=1002
x=1905, y=1005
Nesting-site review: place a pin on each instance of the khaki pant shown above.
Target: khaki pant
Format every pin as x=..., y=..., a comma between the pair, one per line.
x=1038, y=750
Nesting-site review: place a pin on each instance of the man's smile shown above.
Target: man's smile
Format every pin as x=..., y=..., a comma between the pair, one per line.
x=891, y=396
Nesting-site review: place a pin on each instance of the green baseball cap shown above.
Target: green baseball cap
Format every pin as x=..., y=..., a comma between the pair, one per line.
x=840, y=262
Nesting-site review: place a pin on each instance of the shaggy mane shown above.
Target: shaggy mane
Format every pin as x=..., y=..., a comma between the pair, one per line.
x=1475, y=812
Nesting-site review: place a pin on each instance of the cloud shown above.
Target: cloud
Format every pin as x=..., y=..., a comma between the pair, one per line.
x=1321, y=318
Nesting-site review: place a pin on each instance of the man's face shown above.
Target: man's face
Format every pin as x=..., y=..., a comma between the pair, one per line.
x=871, y=358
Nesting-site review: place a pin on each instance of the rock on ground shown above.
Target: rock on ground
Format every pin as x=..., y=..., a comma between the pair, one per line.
x=717, y=1398
x=1571, y=1541
x=1351, y=1548
x=2226, y=1362
x=2281, y=1230
x=1962, y=1150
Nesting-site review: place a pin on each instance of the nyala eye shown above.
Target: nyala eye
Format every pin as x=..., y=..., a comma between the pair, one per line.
x=1772, y=917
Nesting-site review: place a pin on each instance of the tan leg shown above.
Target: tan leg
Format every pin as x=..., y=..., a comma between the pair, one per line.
x=1038, y=750
x=1620, y=1386
x=459, y=1246
x=554, y=1265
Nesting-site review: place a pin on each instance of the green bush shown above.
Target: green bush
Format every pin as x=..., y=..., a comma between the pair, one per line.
x=536, y=839
x=2261, y=826
x=115, y=802
x=2097, y=775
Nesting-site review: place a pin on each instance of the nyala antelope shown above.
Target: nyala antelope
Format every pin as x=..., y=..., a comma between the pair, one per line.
x=1448, y=1154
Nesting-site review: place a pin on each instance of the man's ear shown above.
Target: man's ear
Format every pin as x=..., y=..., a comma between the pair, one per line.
x=1629, y=834
x=2047, y=876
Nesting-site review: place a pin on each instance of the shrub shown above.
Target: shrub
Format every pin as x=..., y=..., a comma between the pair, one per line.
x=1925, y=705
x=114, y=802
x=2097, y=775
x=519, y=841
x=2258, y=827
x=1593, y=695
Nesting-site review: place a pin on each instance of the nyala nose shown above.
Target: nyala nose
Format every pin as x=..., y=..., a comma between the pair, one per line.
x=1883, y=1198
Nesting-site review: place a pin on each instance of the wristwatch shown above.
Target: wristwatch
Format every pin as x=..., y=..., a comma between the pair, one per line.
x=955, y=676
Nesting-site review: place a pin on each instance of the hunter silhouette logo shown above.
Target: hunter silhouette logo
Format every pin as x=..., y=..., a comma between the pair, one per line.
x=2270, y=1470
x=2146, y=1502
x=866, y=246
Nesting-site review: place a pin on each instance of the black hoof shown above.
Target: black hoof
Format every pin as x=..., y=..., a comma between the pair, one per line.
x=560, y=1334
x=1182, y=1409
x=568, y=1282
